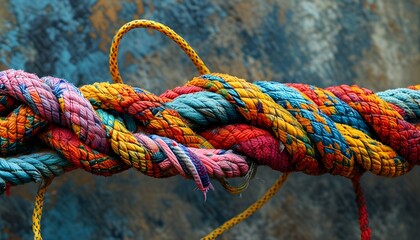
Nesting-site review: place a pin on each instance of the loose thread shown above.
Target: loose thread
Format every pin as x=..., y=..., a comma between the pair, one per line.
x=249, y=211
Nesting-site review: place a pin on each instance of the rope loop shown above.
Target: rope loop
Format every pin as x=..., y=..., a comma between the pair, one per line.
x=142, y=23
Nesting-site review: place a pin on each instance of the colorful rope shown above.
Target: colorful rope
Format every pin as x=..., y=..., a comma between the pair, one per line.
x=216, y=126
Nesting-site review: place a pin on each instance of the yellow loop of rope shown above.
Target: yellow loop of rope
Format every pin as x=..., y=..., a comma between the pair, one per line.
x=113, y=59
x=249, y=211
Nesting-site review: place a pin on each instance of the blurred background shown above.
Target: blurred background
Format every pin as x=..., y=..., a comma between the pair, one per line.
x=372, y=43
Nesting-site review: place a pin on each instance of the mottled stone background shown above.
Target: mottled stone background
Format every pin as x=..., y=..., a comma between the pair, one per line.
x=374, y=43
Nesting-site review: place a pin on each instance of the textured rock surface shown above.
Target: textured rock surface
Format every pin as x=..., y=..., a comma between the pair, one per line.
x=375, y=44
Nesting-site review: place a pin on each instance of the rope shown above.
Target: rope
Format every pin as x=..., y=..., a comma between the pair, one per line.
x=37, y=214
x=361, y=204
x=113, y=61
x=216, y=126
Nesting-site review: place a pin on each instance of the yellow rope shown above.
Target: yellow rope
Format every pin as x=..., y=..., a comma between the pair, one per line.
x=37, y=214
x=113, y=62
x=250, y=210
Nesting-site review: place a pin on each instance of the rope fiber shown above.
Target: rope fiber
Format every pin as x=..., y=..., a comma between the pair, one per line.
x=216, y=126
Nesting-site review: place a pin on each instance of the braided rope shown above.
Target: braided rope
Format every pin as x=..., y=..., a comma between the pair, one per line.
x=216, y=126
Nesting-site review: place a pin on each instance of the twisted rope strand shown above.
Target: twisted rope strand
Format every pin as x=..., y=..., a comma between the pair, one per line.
x=406, y=99
x=259, y=109
x=35, y=167
x=330, y=143
x=390, y=126
x=332, y=106
x=145, y=107
x=17, y=129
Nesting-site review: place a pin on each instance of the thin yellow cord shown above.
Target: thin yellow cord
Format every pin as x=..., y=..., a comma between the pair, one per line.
x=250, y=210
x=113, y=60
x=37, y=214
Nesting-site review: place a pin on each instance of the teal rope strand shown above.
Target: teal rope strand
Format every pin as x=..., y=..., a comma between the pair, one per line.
x=202, y=109
x=406, y=99
x=34, y=167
